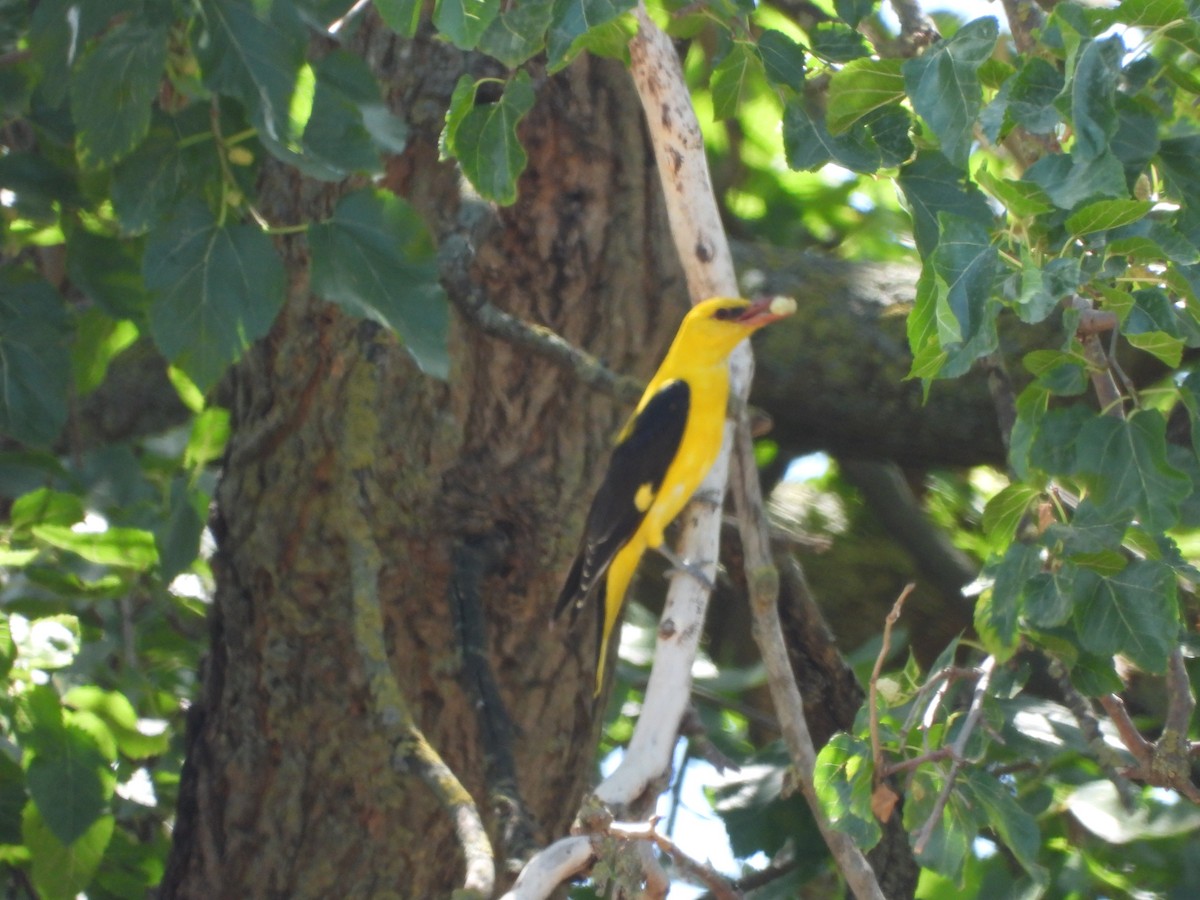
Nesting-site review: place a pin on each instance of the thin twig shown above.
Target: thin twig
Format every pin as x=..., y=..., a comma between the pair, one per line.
x=719, y=885
x=763, y=583
x=873, y=688
x=917, y=30
x=915, y=762
x=958, y=751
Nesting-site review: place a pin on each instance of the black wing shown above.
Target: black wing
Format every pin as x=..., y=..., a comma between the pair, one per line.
x=639, y=463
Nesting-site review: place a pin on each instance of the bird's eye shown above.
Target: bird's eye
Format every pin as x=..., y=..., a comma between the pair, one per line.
x=726, y=312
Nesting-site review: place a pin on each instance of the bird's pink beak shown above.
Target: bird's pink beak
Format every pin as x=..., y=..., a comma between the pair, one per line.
x=765, y=310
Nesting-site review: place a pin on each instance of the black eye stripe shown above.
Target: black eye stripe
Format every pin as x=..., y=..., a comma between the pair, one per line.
x=727, y=312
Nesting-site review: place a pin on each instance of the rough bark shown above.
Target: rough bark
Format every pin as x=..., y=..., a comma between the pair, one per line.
x=289, y=789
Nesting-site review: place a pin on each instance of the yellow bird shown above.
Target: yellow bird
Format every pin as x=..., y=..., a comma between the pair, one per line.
x=661, y=455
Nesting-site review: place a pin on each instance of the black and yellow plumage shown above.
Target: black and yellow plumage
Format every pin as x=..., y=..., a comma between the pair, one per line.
x=661, y=456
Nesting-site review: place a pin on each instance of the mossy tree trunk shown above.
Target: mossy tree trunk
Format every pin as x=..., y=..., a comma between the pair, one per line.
x=469, y=493
x=289, y=789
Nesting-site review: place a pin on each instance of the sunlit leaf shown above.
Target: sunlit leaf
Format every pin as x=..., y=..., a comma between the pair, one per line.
x=61, y=871
x=70, y=781
x=860, y=87
x=1106, y=214
x=944, y=85
x=117, y=546
x=843, y=781
x=729, y=80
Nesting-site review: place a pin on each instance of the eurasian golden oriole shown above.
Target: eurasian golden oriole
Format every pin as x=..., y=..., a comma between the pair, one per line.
x=661, y=455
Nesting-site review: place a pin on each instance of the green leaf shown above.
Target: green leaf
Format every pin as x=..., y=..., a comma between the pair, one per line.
x=402, y=16
x=572, y=20
x=783, y=59
x=1048, y=598
x=45, y=506
x=1106, y=214
x=1089, y=530
x=1189, y=395
x=350, y=125
x=931, y=185
x=758, y=814
x=853, y=11
x=1069, y=181
x=1152, y=13
x=70, y=782
x=861, y=87
x=210, y=433
x=944, y=85
x=256, y=61
x=1005, y=510
x=1013, y=825
x=217, y=289
x=927, y=352
x=117, y=713
x=843, y=780
x=485, y=141
x=98, y=340
x=729, y=79
x=890, y=128
x=1021, y=198
x=35, y=362
x=1054, y=447
x=62, y=871
x=464, y=21
x=1126, y=464
x=519, y=33
x=1098, y=807
x=176, y=157
x=126, y=547
x=1150, y=324
x=949, y=844
x=374, y=258
x=177, y=536
x=836, y=42
x=1031, y=99
x=1134, y=612
x=997, y=614
x=112, y=89
x=808, y=144
x=1093, y=97
x=109, y=271
x=967, y=263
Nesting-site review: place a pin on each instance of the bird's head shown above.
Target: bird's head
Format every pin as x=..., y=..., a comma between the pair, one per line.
x=719, y=324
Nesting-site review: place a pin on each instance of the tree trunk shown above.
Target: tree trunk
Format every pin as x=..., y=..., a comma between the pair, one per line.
x=289, y=788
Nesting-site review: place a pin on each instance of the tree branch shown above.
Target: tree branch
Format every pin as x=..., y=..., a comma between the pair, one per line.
x=763, y=582
x=958, y=750
x=708, y=264
x=885, y=647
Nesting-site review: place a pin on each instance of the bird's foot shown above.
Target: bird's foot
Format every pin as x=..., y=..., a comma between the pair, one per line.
x=679, y=564
x=711, y=499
